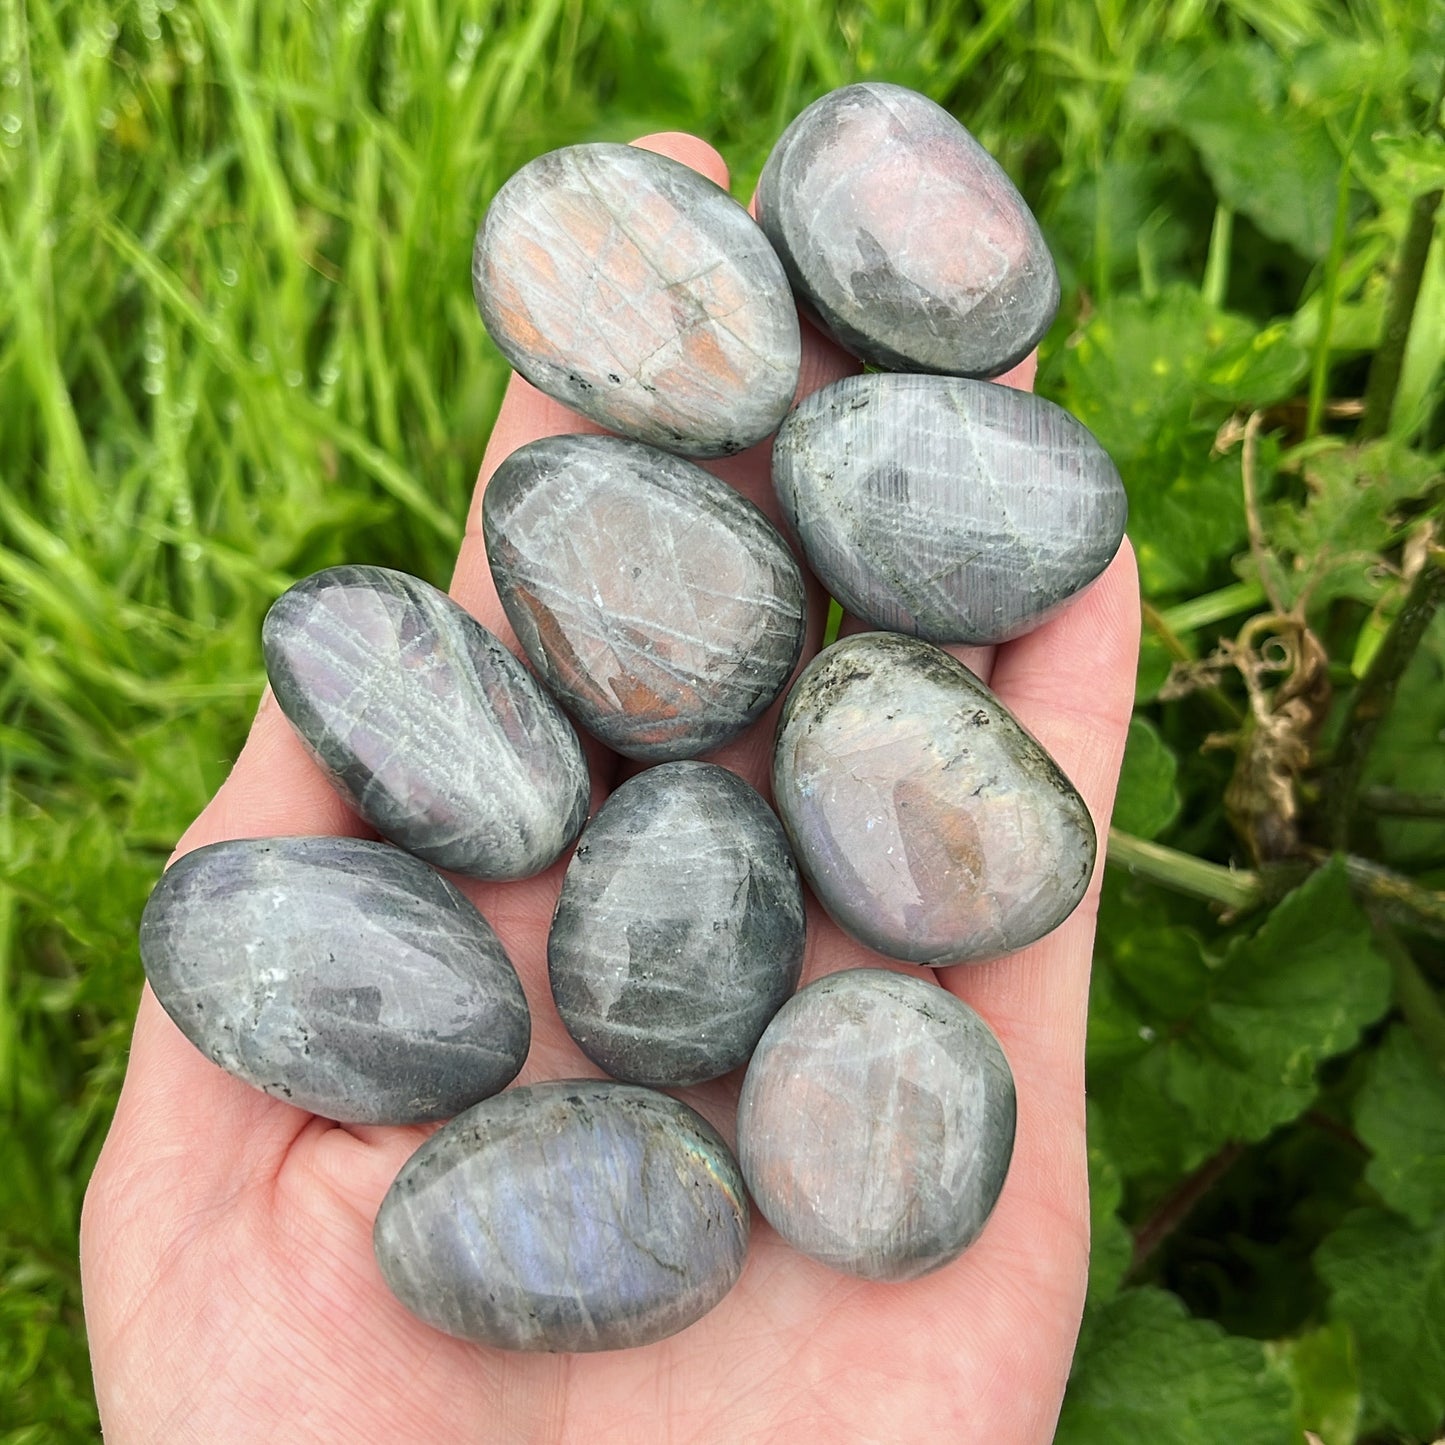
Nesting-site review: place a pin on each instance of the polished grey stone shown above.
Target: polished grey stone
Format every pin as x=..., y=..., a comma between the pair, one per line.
x=957, y=510
x=640, y=294
x=679, y=931
x=343, y=976
x=660, y=607
x=876, y=1124
x=566, y=1216
x=436, y=734
x=931, y=826
x=905, y=236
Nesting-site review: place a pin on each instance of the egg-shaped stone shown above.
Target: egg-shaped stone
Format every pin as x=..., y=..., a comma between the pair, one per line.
x=905, y=237
x=931, y=826
x=425, y=723
x=679, y=930
x=957, y=510
x=640, y=294
x=876, y=1124
x=345, y=977
x=661, y=607
x=567, y=1216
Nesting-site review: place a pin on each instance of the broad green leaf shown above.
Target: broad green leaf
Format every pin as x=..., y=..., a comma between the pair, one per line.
x=1414, y=163
x=1400, y=1114
x=1387, y=1283
x=1110, y=1245
x=1146, y=1371
x=1148, y=800
x=1322, y=1373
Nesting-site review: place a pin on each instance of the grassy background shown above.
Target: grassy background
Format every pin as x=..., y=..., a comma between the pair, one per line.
x=237, y=343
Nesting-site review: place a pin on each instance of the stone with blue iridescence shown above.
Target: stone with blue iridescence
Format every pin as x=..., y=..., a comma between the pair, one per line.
x=930, y=825
x=905, y=237
x=876, y=1124
x=566, y=1216
x=425, y=723
x=342, y=976
x=662, y=608
x=679, y=931
x=957, y=510
x=637, y=292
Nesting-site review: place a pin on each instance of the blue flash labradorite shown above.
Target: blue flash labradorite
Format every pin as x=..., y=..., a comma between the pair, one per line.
x=567, y=1216
x=345, y=977
x=433, y=731
x=876, y=1124
x=679, y=931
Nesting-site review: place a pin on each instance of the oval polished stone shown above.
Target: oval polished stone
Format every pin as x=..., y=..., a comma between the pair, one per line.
x=662, y=608
x=574, y=1216
x=428, y=726
x=345, y=977
x=905, y=236
x=876, y=1124
x=679, y=930
x=931, y=826
x=640, y=294
x=958, y=510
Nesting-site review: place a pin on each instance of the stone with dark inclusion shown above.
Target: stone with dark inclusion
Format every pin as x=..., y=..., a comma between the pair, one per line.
x=567, y=1216
x=679, y=931
x=662, y=608
x=876, y=1124
x=957, y=510
x=433, y=731
x=345, y=977
x=640, y=294
x=931, y=826
x=905, y=237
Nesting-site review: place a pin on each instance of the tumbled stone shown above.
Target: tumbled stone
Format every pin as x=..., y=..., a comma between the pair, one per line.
x=905, y=236
x=428, y=726
x=679, y=931
x=566, y=1216
x=640, y=294
x=660, y=607
x=931, y=826
x=876, y=1124
x=957, y=510
x=345, y=977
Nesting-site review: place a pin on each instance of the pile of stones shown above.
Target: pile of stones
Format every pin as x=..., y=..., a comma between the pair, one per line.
x=665, y=613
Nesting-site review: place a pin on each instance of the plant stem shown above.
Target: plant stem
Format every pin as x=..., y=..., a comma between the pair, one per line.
x=1175, y=1207
x=1384, y=379
x=1216, y=267
x=1418, y=1002
x=1213, y=607
x=1397, y=803
x=1184, y=873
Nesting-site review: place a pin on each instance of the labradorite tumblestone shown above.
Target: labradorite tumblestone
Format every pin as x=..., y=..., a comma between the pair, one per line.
x=345, y=977
x=958, y=510
x=640, y=294
x=662, y=608
x=575, y=1215
x=433, y=731
x=931, y=826
x=876, y=1124
x=905, y=237
x=679, y=930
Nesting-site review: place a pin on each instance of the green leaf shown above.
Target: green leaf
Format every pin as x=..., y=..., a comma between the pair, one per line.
x=1111, y=1246
x=1146, y=1371
x=1148, y=800
x=1414, y=163
x=1400, y=1114
x=1322, y=1372
x=1387, y=1283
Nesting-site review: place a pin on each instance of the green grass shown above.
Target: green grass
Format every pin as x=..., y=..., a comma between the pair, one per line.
x=237, y=343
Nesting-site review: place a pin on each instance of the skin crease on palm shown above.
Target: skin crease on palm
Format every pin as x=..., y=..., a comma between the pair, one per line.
x=231, y=1293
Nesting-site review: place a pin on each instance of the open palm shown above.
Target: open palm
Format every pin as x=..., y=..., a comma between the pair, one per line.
x=231, y=1292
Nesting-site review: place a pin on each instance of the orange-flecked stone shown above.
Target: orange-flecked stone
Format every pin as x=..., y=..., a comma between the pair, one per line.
x=637, y=292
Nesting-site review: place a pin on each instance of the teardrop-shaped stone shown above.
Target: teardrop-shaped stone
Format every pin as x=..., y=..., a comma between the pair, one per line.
x=428, y=726
x=581, y=1215
x=345, y=977
x=679, y=931
x=640, y=294
x=662, y=608
x=958, y=510
x=905, y=236
x=876, y=1124
x=931, y=826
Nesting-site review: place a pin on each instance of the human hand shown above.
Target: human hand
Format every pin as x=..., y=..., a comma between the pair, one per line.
x=231, y=1291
